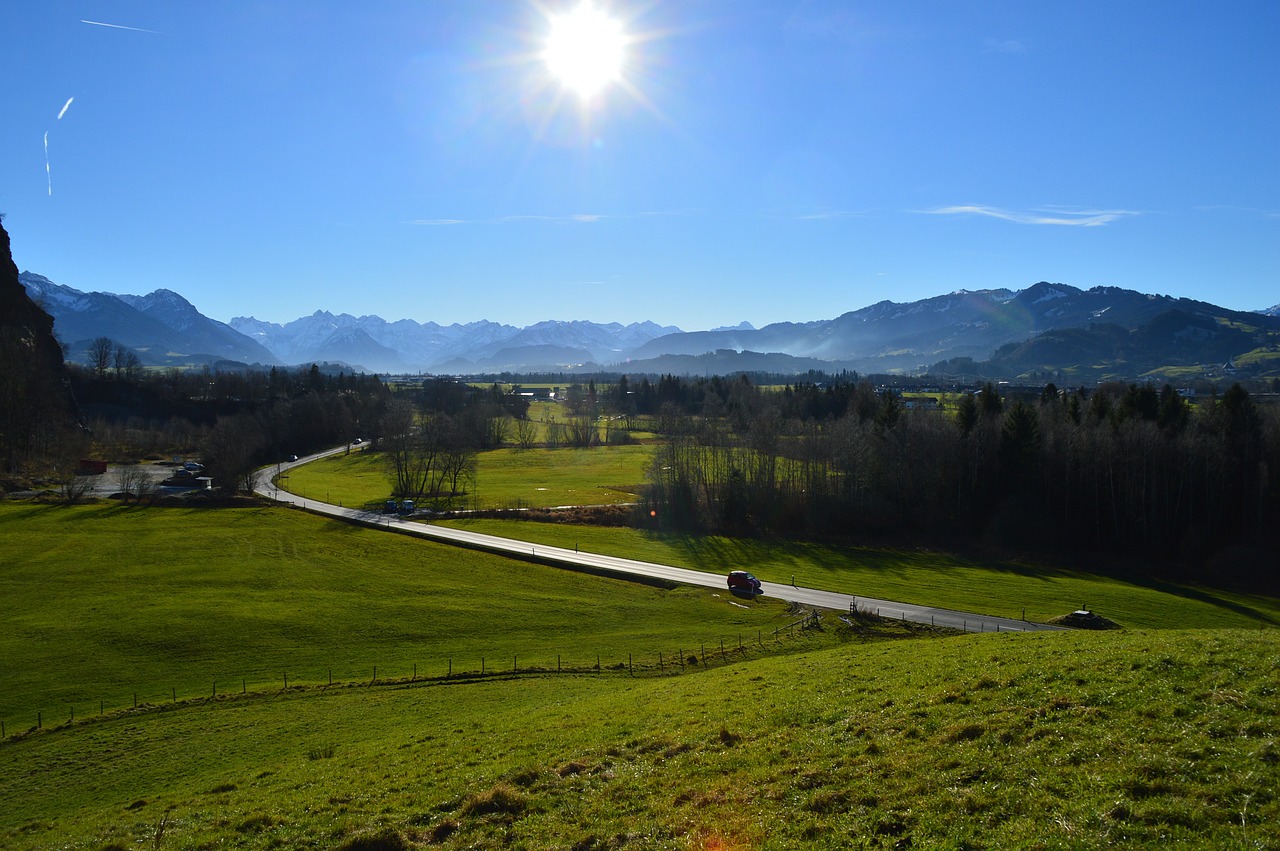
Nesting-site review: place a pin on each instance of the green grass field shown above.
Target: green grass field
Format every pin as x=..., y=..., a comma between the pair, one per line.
x=833, y=738
x=1000, y=588
x=100, y=602
x=1153, y=740
x=505, y=478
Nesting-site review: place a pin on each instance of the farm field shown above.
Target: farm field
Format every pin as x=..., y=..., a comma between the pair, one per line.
x=505, y=478
x=1002, y=588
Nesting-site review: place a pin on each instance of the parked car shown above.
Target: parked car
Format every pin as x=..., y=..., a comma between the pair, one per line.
x=390, y=507
x=406, y=506
x=740, y=580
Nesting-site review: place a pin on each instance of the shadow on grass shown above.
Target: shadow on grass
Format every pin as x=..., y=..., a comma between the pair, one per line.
x=748, y=553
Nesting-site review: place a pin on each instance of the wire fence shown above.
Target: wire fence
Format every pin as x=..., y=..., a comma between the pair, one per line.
x=672, y=661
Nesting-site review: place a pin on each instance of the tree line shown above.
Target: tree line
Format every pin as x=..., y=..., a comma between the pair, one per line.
x=1126, y=469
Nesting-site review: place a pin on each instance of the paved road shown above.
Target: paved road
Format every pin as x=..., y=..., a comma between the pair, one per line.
x=613, y=566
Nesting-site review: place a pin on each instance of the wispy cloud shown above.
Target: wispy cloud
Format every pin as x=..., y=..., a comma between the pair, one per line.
x=118, y=26
x=65, y=107
x=436, y=222
x=1064, y=216
x=47, y=172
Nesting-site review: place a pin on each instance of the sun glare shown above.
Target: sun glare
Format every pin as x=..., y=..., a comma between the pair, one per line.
x=585, y=50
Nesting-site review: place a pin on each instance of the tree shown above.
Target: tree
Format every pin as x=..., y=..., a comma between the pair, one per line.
x=100, y=353
x=230, y=452
x=526, y=433
x=989, y=401
x=1019, y=447
x=966, y=414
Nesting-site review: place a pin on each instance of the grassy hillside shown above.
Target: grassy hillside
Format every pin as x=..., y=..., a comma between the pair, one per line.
x=831, y=739
x=100, y=602
x=1159, y=739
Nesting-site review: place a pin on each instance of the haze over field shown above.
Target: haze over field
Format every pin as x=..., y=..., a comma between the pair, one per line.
x=720, y=162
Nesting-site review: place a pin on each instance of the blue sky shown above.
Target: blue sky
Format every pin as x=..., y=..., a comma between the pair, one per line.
x=758, y=161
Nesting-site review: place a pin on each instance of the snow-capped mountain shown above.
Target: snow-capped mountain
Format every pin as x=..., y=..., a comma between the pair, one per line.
x=890, y=335
x=1038, y=325
x=1271, y=311
x=162, y=327
x=407, y=345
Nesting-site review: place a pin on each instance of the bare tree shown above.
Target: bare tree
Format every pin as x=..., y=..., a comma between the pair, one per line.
x=526, y=433
x=129, y=480
x=100, y=352
x=75, y=488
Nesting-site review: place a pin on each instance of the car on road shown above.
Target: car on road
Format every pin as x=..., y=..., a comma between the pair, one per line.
x=740, y=580
x=406, y=506
x=390, y=507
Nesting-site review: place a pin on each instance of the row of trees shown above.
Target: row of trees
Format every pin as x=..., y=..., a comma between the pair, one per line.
x=1127, y=469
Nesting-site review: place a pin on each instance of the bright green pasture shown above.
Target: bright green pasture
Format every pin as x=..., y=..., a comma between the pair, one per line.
x=534, y=478
x=1066, y=740
x=97, y=602
x=540, y=478
x=1001, y=588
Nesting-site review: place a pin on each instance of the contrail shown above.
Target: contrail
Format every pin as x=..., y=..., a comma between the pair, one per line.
x=47, y=173
x=118, y=26
x=65, y=106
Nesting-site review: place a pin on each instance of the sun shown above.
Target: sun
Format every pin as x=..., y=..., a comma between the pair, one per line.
x=585, y=50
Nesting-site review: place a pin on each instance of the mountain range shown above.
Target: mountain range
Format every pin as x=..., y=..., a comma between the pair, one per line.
x=1048, y=327
x=163, y=327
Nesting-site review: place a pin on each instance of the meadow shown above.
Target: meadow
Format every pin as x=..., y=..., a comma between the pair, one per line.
x=102, y=602
x=859, y=734
x=505, y=478
x=1156, y=740
x=1000, y=587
